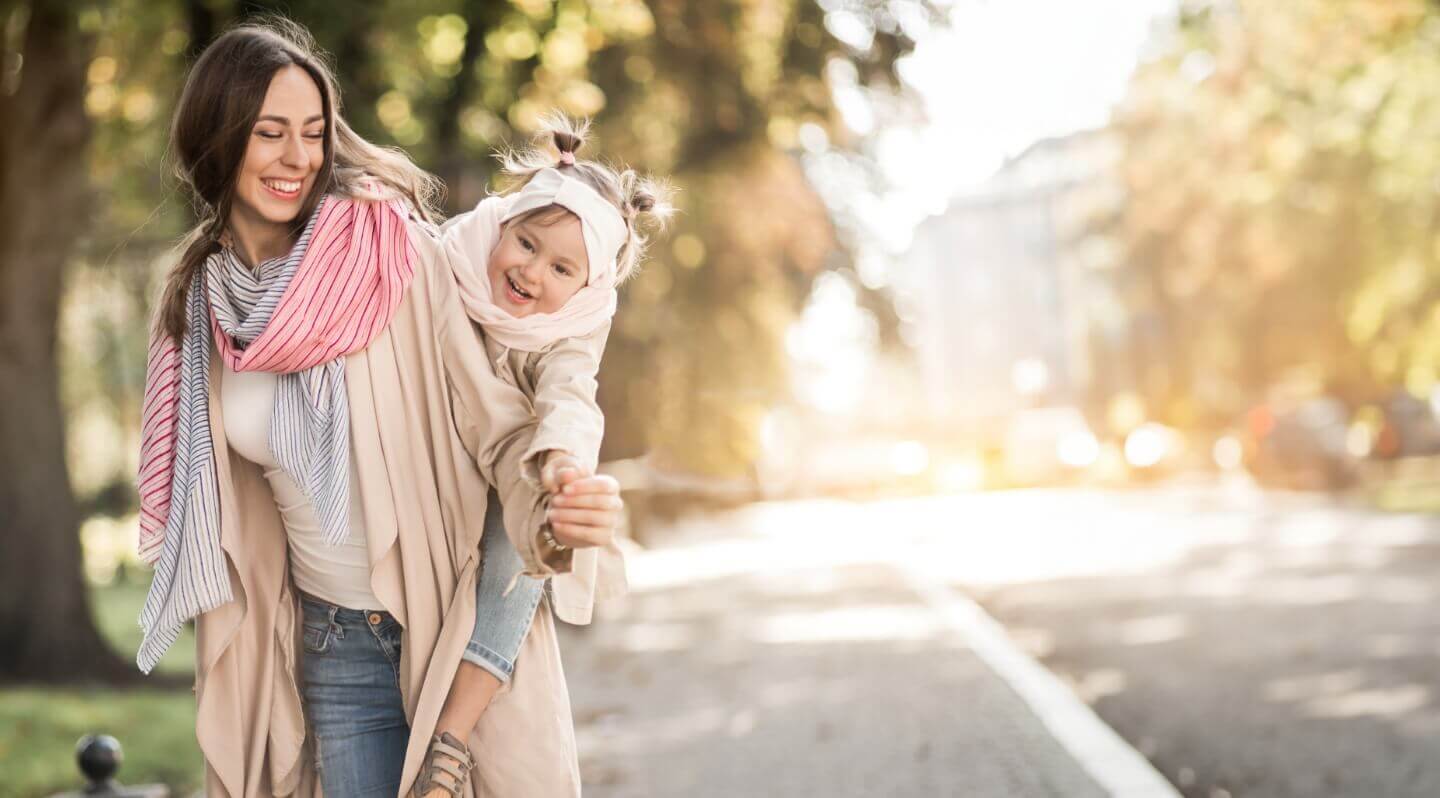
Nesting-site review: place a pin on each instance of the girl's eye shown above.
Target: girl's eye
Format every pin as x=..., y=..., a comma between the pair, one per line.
x=525, y=242
x=562, y=271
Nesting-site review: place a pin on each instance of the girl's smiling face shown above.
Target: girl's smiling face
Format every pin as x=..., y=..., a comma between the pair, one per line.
x=537, y=264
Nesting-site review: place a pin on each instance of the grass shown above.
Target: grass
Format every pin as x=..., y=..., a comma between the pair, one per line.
x=39, y=727
x=156, y=728
x=1406, y=499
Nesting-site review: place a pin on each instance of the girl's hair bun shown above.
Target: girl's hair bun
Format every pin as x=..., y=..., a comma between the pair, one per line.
x=642, y=200
x=566, y=134
x=644, y=203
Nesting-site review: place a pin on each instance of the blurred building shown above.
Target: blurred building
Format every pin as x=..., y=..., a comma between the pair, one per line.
x=1015, y=286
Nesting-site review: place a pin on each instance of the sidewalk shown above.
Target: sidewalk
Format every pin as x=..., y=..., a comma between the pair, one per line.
x=736, y=668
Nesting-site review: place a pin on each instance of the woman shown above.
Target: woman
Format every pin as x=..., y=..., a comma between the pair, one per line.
x=321, y=418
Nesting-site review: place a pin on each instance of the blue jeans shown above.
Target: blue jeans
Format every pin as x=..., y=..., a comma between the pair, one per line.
x=501, y=621
x=351, y=686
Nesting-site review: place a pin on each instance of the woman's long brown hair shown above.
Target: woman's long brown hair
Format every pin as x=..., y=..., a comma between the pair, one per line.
x=211, y=131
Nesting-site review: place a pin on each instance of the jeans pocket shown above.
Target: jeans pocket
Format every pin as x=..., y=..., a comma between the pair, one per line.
x=317, y=638
x=391, y=638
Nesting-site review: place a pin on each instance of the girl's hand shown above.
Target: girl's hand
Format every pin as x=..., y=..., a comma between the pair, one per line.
x=585, y=511
x=557, y=460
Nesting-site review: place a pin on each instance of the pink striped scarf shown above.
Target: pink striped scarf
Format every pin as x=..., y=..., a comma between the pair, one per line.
x=355, y=261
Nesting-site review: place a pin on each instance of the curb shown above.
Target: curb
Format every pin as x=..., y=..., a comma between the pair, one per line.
x=1113, y=763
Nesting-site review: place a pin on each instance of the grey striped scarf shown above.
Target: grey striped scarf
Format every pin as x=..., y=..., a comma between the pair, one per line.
x=309, y=436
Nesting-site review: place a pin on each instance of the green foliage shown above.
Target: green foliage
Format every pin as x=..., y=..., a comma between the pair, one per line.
x=1284, y=215
x=134, y=77
x=708, y=94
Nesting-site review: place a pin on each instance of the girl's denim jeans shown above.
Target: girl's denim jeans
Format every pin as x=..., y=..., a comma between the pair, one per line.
x=501, y=620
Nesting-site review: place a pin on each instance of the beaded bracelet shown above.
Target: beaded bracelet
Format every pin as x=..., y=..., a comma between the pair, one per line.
x=548, y=535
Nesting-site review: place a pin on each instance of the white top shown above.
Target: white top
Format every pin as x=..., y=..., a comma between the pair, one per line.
x=337, y=574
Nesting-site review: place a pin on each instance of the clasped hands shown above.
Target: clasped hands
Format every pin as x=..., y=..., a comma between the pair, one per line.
x=584, y=507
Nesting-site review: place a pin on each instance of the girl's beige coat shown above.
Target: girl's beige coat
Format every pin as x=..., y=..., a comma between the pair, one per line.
x=429, y=418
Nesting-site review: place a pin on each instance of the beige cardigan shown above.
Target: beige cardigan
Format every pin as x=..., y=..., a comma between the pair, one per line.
x=429, y=419
x=559, y=381
x=560, y=384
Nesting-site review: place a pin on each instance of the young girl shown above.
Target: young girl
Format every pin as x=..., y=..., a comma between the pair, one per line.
x=545, y=259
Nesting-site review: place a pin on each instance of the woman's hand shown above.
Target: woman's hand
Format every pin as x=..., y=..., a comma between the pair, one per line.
x=586, y=510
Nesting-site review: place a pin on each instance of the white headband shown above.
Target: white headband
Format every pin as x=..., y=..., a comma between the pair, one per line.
x=600, y=221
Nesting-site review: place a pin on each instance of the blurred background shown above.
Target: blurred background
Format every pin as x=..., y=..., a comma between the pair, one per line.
x=1120, y=318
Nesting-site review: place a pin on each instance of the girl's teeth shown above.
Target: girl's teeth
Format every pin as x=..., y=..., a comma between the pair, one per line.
x=516, y=288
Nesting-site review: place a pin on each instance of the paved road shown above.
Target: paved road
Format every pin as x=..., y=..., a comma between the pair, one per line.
x=1261, y=645
x=1249, y=644
x=744, y=666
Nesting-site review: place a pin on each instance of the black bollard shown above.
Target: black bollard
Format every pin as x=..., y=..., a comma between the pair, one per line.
x=99, y=757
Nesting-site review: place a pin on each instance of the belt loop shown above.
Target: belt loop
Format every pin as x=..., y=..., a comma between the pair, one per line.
x=335, y=628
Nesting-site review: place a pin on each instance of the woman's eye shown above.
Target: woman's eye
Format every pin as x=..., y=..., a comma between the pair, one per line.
x=316, y=136
x=268, y=134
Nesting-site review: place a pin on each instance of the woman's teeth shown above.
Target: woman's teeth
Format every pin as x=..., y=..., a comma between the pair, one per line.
x=283, y=186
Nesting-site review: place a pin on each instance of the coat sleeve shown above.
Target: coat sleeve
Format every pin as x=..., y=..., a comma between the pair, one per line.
x=569, y=417
x=494, y=420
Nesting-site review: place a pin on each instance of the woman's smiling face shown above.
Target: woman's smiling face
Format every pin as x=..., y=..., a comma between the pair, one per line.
x=536, y=266
x=286, y=150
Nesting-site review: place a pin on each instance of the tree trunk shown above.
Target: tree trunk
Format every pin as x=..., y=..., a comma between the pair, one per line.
x=46, y=631
x=201, y=23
